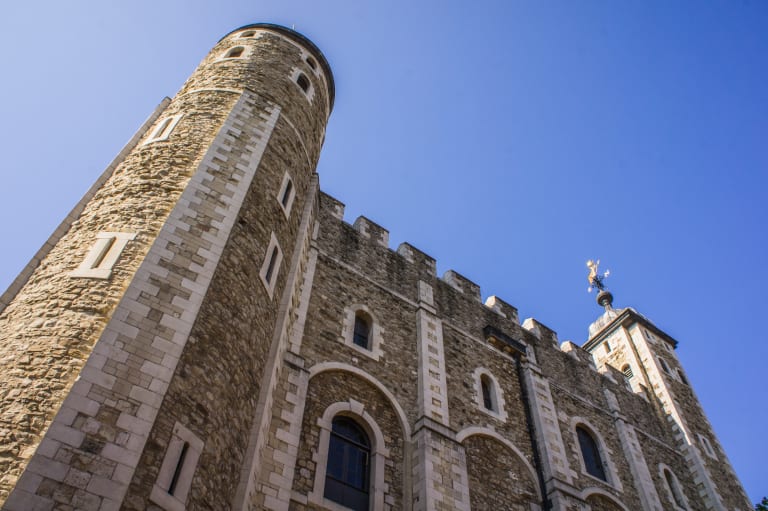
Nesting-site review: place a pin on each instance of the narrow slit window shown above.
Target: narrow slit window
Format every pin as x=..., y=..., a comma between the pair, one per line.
x=487, y=390
x=164, y=129
x=607, y=347
x=271, y=265
x=179, y=465
x=287, y=193
x=311, y=63
x=174, y=480
x=103, y=255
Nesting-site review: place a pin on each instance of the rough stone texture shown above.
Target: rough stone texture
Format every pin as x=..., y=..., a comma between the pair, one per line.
x=330, y=387
x=98, y=373
x=498, y=479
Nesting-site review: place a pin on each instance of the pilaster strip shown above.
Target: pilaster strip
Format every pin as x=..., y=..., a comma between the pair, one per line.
x=129, y=370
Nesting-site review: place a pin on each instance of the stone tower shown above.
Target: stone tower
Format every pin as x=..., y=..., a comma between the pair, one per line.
x=205, y=331
x=629, y=342
x=183, y=259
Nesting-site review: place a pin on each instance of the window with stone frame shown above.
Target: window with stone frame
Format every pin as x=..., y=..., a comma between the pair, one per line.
x=348, y=471
x=673, y=487
x=488, y=396
x=362, y=331
x=590, y=453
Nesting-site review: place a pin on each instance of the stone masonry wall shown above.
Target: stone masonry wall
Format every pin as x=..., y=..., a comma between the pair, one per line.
x=48, y=330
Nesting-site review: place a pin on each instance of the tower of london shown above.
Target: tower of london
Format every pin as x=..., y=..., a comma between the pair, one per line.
x=205, y=331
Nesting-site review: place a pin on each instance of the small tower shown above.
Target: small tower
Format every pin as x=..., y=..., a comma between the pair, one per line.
x=153, y=316
x=691, y=464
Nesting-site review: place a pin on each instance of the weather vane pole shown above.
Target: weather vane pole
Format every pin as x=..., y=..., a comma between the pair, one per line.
x=596, y=281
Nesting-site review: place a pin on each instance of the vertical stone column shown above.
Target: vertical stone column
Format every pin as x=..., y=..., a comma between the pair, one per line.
x=558, y=475
x=440, y=475
x=649, y=498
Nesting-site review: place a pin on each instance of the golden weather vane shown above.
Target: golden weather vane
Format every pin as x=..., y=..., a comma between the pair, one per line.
x=594, y=278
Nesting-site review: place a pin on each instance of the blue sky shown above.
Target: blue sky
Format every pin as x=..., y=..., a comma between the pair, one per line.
x=512, y=141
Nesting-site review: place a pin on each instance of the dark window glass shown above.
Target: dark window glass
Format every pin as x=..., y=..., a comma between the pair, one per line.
x=303, y=82
x=177, y=471
x=271, y=265
x=674, y=488
x=348, y=472
x=682, y=377
x=362, y=330
x=287, y=193
x=311, y=63
x=485, y=385
x=627, y=371
x=591, y=454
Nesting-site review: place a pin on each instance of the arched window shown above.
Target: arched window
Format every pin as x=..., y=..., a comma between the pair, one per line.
x=664, y=365
x=682, y=376
x=674, y=488
x=488, y=389
x=627, y=370
x=362, y=332
x=347, y=476
x=311, y=62
x=234, y=53
x=303, y=82
x=590, y=453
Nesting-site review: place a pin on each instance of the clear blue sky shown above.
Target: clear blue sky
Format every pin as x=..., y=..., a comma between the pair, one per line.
x=512, y=141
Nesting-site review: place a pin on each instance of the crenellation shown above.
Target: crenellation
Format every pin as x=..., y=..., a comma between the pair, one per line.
x=246, y=348
x=372, y=230
x=462, y=284
x=500, y=306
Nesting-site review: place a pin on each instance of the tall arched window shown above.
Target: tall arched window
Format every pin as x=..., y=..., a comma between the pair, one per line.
x=674, y=488
x=347, y=476
x=590, y=453
x=362, y=332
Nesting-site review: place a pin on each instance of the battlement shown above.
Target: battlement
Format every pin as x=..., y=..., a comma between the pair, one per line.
x=369, y=231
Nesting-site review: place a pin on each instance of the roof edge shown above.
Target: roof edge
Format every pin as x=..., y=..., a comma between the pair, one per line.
x=303, y=40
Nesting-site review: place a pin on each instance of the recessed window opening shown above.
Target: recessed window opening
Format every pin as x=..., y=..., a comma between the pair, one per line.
x=303, y=82
x=362, y=331
x=311, y=62
x=250, y=33
x=674, y=488
x=627, y=370
x=347, y=477
x=271, y=265
x=590, y=453
x=664, y=365
x=287, y=194
x=487, y=389
x=682, y=376
x=234, y=53
x=179, y=466
x=607, y=347
x=164, y=129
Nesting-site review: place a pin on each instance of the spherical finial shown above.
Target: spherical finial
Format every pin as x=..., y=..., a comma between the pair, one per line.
x=605, y=299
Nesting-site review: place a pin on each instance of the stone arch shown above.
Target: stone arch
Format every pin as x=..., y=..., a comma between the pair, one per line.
x=601, y=500
x=334, y=390
x=499, y=475
x=340, y=366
